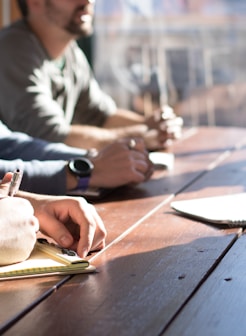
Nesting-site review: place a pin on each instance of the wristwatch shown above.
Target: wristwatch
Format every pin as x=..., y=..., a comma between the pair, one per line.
x=82, y=169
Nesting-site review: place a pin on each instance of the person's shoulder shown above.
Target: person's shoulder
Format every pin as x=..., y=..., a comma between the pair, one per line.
x=15, y=29
x=17, y=38
x=15, y=34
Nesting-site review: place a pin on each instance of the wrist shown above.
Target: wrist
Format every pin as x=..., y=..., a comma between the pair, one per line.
x=71, y=179
x=73, y=182
x=78, y=173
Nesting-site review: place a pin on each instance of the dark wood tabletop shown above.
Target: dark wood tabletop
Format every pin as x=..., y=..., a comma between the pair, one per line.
x=160, y=273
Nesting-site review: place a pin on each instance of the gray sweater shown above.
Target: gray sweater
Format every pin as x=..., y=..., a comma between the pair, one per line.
x=42, y=97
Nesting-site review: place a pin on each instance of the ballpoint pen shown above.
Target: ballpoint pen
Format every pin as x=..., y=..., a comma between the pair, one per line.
x=15, y=182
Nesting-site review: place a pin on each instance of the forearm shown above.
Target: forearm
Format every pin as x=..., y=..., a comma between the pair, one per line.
x=123, y=118
x=47, y=177
x=88, y=137
x=19, y=145
x=96, y=137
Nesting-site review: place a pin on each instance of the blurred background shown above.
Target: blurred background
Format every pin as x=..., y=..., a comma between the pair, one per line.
x=187, y=53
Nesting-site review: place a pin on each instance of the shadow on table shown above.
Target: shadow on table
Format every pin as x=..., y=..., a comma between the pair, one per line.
x=144, y=291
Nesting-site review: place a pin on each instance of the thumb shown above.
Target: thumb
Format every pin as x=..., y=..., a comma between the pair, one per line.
x=56, y=230
x=4, y=184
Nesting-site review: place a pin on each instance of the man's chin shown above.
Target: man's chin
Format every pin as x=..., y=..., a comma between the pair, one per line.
x=83, y=30
x=86, y=30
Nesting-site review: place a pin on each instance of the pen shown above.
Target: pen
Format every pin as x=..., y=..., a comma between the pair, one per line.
x=15, y=182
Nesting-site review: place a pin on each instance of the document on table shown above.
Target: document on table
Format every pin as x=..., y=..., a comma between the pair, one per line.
x=162, y=160
x=226, y=209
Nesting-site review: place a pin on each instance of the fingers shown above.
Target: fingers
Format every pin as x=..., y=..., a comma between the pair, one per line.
x=142, y=166
x=92, y=234
x=168, y=127
x=4, y=185
x=135, y=143
x=172, y=126
x=72, y=223
x=55, y=228
x=170, y=130
x=123, y=162
x=7, y=178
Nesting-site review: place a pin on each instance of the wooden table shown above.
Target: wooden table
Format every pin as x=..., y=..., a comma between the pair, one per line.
x=160, y=273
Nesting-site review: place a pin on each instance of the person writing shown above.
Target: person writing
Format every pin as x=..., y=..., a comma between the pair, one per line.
x=71, y=222
x=46, y=165
x=48, y=90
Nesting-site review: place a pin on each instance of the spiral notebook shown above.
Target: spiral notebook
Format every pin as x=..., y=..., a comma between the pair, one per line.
x=227, y=209
x=47, y=259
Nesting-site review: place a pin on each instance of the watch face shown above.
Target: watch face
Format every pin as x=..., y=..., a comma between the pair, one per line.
x=81, y=167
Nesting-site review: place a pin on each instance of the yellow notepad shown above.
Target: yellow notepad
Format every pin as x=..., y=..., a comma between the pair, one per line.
x=47, y=259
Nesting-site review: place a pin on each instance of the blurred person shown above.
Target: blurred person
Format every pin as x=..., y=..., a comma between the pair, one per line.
x=49, y=167
x=47, y=88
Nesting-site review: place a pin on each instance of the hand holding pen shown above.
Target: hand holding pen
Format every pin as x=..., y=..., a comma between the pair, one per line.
x=15, y=182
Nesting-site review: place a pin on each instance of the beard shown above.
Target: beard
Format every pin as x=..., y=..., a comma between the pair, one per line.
x=72, y=25
x=82, y=30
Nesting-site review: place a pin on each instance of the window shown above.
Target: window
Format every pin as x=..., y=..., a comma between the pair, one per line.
x=189, y=53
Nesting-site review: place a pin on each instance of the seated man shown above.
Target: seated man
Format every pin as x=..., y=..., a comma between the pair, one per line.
x=46, y=165
x=58, y=217
x=47, y=88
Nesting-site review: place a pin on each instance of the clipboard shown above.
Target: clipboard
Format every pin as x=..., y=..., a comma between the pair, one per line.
x=227, y=210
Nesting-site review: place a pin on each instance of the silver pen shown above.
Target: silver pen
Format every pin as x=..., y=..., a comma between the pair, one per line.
x=15, y=182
